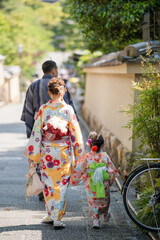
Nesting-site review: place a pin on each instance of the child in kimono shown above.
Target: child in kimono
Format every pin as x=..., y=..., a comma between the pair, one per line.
x=98, y=172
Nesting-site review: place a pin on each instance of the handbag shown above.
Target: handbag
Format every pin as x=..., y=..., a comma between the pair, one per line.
x=34, y=186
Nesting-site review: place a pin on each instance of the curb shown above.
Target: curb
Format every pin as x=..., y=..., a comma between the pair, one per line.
x=84, y=123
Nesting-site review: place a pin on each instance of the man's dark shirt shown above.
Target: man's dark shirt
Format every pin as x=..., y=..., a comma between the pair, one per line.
x=37, y=94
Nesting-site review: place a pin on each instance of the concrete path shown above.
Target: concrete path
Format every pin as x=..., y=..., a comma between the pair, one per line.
x=21, y=219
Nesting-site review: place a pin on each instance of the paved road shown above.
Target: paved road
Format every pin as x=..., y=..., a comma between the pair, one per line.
x=21, y=219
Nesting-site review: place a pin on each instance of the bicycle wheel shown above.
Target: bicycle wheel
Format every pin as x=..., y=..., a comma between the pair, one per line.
x=141, y=196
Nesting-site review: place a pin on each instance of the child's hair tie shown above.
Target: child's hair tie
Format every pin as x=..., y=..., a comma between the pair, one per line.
x=94, y=148
x=89, y=142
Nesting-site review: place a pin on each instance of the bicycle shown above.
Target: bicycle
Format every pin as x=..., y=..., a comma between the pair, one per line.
x=141, y=195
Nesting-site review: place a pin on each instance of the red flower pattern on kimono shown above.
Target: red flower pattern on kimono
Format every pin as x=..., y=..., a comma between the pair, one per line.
x=31, y=148
x=46, y=192
x=56, y=162
x=39, y=113
x=64, y=181
x=48, y=158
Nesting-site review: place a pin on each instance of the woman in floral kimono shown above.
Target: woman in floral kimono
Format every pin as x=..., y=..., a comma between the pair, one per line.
x=55, y=143
x=98, y=172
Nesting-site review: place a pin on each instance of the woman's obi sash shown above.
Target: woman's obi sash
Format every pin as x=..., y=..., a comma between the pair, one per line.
x=51, y=134
x=55, y=129
x=51, y=137
x=98, y=173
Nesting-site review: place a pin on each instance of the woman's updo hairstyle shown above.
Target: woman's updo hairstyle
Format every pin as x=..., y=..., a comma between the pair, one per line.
x=56, y=86
x=97, y=140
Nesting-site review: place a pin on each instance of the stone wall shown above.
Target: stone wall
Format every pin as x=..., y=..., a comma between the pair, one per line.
x=112, y=145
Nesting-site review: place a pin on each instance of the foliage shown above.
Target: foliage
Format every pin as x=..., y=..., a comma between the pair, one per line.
x=145, y=112
x=67, y=33
x=84, y=59
x=25, y=22
x=111, y=24
x=5, y=44
x=87, y=56
x=145, y=211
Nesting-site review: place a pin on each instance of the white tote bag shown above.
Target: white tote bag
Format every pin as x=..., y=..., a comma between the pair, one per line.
x=34, y=186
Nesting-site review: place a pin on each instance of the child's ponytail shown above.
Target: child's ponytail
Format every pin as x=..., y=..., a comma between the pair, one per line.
x=95, y=141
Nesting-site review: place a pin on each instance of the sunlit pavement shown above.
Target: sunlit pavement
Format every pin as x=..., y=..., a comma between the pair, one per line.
x=21, y=219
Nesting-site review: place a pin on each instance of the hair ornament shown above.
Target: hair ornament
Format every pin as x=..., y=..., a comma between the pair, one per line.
x=94, y=148
x=89, y=141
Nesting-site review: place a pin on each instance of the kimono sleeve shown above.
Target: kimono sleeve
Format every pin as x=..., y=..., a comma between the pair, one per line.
x=33, y=149
x=28, y=112
x=75, y=135
x=79, y=170
x=112, y=171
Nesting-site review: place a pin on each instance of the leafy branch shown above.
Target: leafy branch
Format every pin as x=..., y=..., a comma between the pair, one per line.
x=145, y=112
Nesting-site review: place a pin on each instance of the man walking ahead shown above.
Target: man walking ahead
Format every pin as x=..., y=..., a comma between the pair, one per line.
x=37, y=94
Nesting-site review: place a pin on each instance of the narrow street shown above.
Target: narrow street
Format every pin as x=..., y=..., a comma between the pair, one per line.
x=21, y=219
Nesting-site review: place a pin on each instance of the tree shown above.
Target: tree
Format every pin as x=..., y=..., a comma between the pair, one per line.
x=5, y=44
x=29, y=22
x=111, y=24
x=67, y=34
x=145, y=112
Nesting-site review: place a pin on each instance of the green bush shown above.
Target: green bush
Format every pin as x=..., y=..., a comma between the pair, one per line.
x=145, y=112
x=145, y=210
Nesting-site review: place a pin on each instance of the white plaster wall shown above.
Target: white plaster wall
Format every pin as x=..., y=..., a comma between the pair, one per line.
x=2, y=82
x=14, y=88
x=104, y=95
x=1, y=73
